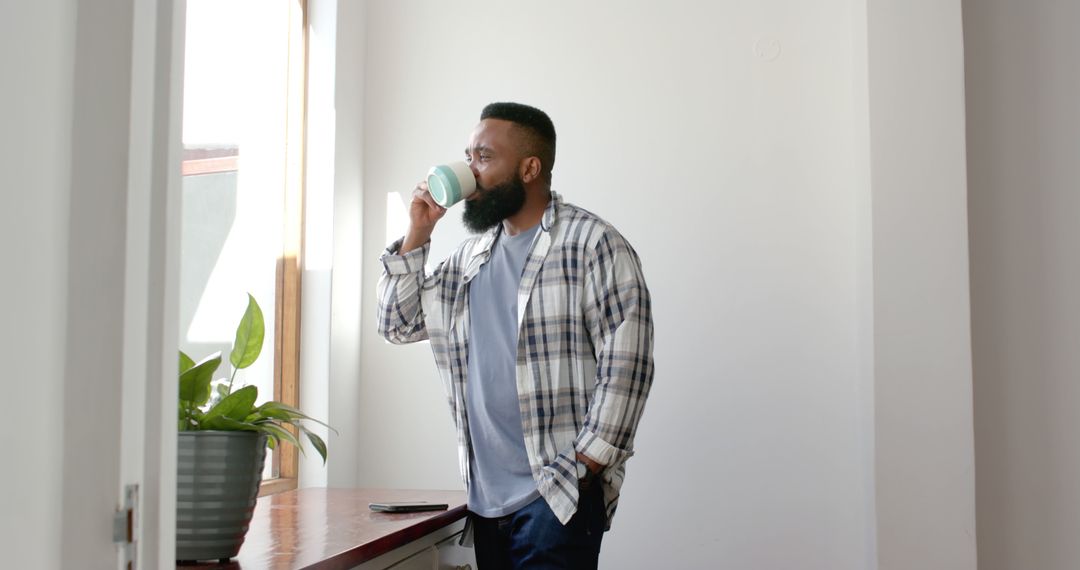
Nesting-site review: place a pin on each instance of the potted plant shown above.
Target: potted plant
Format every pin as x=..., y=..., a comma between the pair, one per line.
x=223, y=438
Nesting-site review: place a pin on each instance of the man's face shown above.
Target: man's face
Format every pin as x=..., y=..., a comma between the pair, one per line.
x=494, y=159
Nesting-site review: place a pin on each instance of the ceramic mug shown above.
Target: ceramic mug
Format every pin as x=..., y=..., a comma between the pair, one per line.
x=451, y=183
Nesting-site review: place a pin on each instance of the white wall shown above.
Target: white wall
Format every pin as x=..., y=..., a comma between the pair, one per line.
x=346, y=451
x=94, y=291
x=317, y=259
x=723, y=140
x=36, y=155
x=1023, y=125
x=922, y=366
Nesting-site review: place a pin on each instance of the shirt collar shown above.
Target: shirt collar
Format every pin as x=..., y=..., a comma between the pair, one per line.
x=548, y=221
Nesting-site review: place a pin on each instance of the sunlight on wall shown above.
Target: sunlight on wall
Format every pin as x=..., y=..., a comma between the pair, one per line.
x=397, y=217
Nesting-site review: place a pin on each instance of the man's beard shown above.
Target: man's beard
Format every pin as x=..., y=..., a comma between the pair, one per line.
x=495, y=205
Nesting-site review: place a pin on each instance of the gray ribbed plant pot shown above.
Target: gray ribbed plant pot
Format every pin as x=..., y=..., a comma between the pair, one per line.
x=218, y=474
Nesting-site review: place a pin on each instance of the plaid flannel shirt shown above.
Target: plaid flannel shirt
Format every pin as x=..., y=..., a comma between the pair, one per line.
x=585, y=340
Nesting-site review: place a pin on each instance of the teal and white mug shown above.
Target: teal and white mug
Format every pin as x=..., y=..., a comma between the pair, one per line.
x=451, y=183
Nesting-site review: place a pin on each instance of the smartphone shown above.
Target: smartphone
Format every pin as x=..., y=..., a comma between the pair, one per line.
x=407, y=507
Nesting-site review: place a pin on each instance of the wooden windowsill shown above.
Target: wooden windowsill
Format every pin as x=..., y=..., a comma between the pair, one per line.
x=319, y=528
x=279, y=485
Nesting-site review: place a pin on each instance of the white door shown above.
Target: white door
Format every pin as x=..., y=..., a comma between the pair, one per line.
x=148, y=394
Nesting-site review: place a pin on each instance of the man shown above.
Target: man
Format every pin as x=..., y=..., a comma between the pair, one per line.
x=542, y=331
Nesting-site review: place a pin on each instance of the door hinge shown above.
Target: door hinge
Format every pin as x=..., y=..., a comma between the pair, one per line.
x=124, y=525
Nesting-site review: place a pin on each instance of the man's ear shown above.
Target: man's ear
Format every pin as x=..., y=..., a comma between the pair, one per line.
x=529, y=169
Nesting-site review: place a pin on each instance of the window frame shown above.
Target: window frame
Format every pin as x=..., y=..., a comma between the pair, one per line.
x=290, y=264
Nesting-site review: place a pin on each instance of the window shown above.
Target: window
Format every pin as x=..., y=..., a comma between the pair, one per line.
x=242, y=222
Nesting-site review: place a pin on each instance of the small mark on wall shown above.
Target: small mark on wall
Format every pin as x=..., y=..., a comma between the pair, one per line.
x=767, y=49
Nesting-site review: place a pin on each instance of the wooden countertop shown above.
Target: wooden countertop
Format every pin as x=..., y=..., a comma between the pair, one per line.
x=321, y=528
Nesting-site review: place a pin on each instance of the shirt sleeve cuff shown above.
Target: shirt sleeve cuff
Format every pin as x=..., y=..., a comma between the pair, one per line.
x=600, y=451
x=412, y=262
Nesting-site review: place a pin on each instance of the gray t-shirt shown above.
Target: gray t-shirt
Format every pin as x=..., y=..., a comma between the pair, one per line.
x=501, y=480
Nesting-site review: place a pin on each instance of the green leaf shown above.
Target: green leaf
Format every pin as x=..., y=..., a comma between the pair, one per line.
x=195, y=381
x=236, y=405
x=316, y=442
x=277, y=410
x=249, y=336
x=222, y=389
x=263, y=412
x=279, y=433
x=188, y=419
x=185, y=362
x=223, y=423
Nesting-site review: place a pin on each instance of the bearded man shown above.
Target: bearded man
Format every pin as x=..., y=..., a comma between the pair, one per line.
x=541, y=327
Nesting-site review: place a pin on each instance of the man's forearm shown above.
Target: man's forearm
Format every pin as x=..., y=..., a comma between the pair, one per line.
x=415, y=238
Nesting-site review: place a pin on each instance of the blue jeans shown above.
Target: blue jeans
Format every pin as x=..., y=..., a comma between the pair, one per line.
x=532, y=538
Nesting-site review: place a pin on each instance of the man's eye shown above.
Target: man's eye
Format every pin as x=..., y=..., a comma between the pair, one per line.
x=485, y=157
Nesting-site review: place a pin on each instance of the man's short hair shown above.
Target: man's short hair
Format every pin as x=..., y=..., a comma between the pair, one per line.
x=539, y=131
